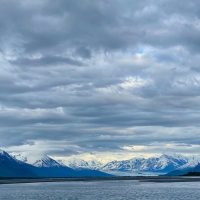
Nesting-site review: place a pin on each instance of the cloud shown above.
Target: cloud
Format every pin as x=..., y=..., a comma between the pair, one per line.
x=45, y=61
x=99, y=76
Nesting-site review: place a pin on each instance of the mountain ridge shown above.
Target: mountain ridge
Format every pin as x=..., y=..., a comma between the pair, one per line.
x=162, y=164
x=170, y=164
x=46, y=167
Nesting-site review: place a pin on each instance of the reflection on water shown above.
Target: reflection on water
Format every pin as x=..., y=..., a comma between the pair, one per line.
x=108, y=190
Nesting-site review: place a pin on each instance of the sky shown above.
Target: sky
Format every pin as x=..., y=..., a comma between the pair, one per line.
x=107, y=79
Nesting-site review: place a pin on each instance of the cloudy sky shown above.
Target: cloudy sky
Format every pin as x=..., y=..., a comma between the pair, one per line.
x=109, y=79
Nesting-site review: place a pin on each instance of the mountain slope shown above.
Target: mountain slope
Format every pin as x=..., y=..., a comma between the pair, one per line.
x=185, y=170
x=11, y=167
x=47, y=162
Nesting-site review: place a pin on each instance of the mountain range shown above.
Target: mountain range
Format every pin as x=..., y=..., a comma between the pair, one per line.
x=45, y=166
x=10, y=166
x=79, y=163
x=164, y=164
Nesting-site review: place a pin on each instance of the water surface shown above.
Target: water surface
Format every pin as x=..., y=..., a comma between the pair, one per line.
x=98, y=190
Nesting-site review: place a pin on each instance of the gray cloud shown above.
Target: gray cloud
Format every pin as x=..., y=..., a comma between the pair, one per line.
x=48, y=60
x=99, y=76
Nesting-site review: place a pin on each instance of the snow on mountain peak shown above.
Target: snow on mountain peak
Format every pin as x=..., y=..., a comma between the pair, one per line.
x=46, y=161
x=20, y=157
x=3, y=152
x=6, y=156
x=79, y=163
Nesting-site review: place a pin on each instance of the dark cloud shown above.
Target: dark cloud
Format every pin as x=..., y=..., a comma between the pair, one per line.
x=45, y=61
x=99, y=76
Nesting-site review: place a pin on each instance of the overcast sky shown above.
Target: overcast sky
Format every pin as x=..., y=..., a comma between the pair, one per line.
x=105, y=78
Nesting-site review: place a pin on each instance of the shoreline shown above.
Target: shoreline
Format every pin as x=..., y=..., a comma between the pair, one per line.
x=153, y=179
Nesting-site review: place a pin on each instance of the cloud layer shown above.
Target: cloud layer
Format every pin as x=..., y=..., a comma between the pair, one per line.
x=100, y=76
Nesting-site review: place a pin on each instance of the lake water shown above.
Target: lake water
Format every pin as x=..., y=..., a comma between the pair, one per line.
x=101, y=190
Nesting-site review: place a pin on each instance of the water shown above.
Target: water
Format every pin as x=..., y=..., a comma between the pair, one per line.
x=102, y=190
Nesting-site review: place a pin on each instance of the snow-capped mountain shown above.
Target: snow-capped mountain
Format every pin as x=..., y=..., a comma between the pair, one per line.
x=138, y=166
x=192, y=161
x=4, y=156
x=20, y=157
x=79, y=163
x=161, y=165
x=48, y=167
x=11, y=167
x=39, y=161
x=45, y=166
x=193, y=165
x=46, y=161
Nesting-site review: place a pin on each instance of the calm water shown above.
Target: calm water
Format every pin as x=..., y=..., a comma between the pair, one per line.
x=108, y=190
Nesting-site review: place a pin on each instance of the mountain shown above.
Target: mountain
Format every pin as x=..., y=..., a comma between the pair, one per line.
x=194, y=171
x=86, y=168
x=160, y=165
x=189, y=168
x=82, y=164
x=138, y=166
x=48, y=167
x=197, y=168
x=47, y=162
x=20, y=157
x=11, y=167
